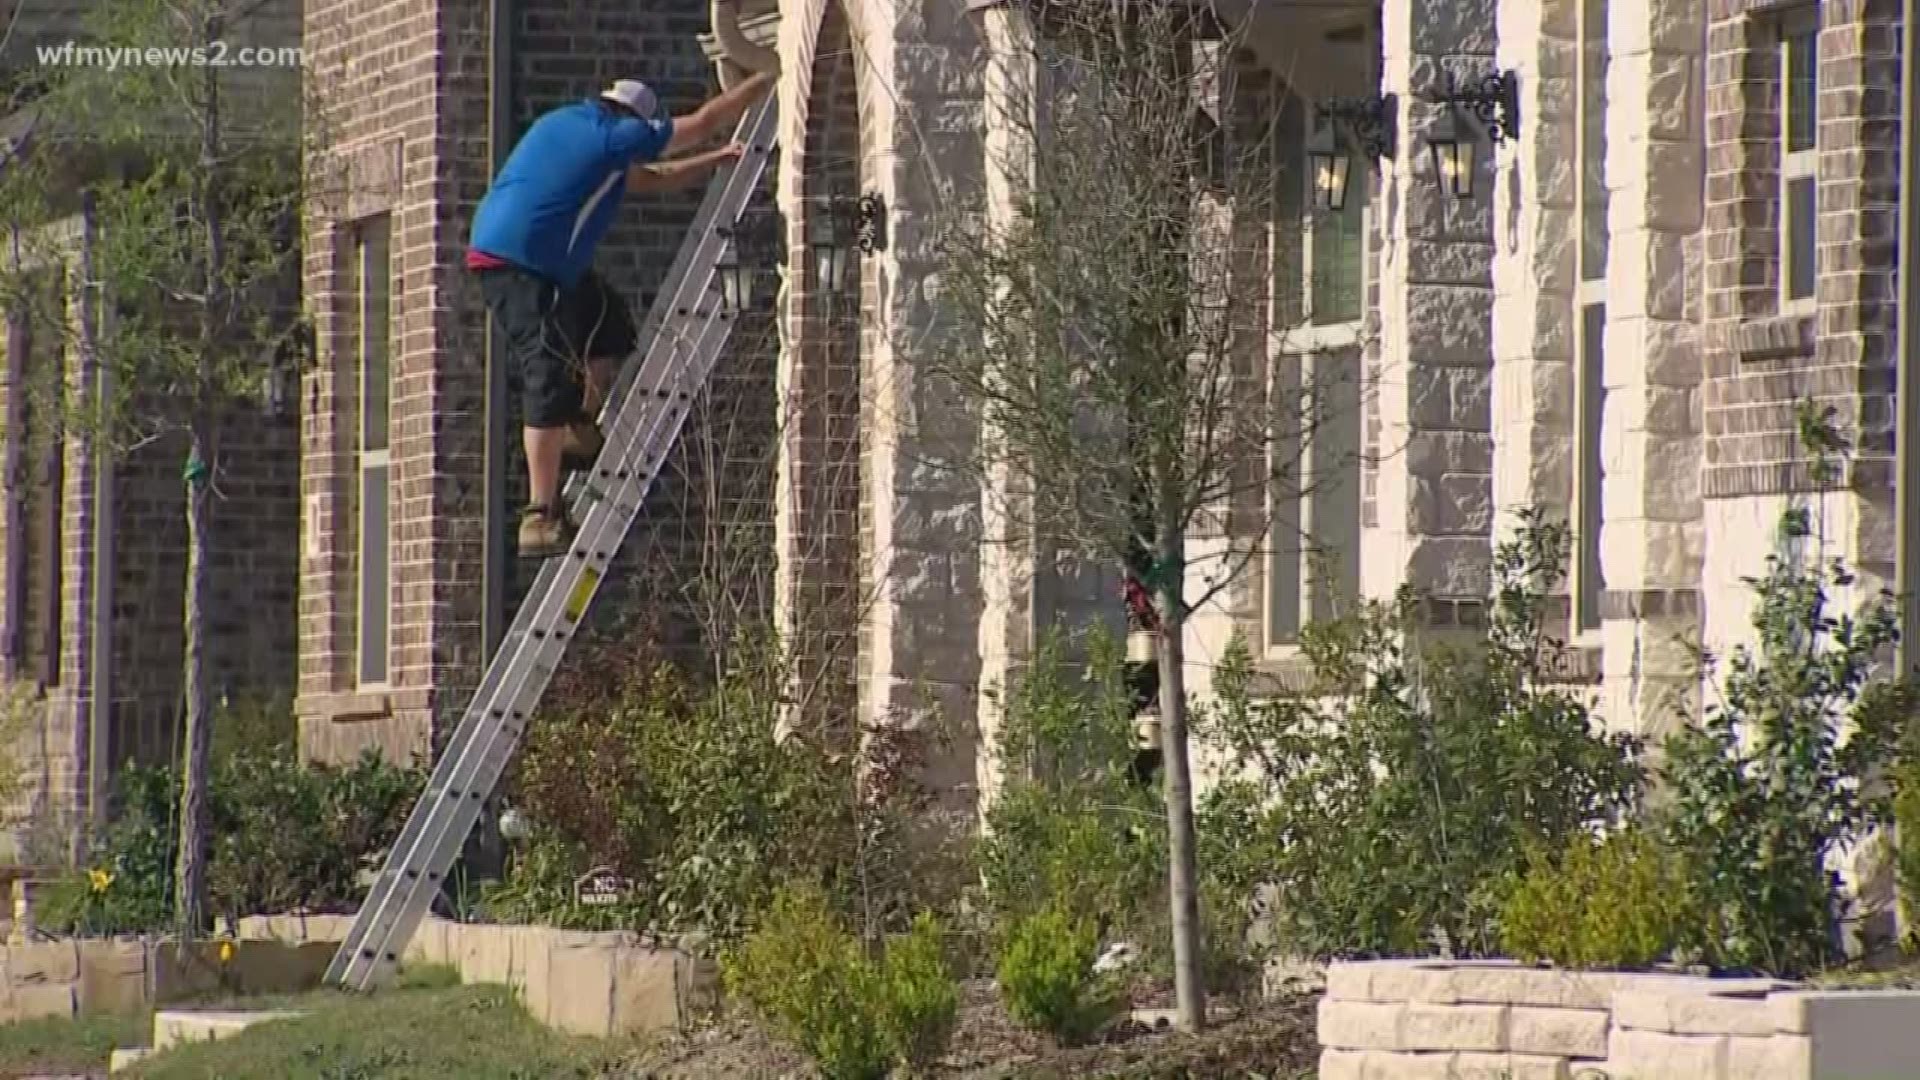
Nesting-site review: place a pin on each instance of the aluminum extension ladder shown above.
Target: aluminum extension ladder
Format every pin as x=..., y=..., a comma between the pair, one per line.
x=648, y=403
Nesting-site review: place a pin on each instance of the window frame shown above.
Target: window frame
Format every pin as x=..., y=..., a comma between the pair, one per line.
x=1586, y=577
x=1293, y=352
x=1798, y=166
x=372, y=666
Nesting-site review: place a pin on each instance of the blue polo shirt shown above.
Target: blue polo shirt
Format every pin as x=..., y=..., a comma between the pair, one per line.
x=561, y=187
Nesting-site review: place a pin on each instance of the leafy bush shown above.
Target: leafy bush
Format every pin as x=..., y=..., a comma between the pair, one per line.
x=1906, y=845
x=681, y=787
x=1781, y=773
x=1048, y=981
x=1070, y=829
x=813, y=980
x=1621, y=903
x=922, y=1001
x=285, y=836
x=1390, y=801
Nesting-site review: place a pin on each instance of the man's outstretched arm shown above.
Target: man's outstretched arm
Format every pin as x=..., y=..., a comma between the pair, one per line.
x=680, y=172
x=706, y=121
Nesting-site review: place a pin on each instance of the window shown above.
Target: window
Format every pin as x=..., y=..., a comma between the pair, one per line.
x=1312, y=567
x=1590, y=388
x=38, y=487
x=1799, y=160
x=371, y=272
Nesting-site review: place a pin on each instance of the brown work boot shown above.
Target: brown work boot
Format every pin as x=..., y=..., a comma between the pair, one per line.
x=544, y=533
x=582, y=447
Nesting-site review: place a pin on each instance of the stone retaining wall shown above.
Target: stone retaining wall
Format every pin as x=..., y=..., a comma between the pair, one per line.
x=598, y=984
x=129, y=975
x=1411, y=1020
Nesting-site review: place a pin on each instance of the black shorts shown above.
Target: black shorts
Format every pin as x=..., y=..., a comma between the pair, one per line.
x=551, y=332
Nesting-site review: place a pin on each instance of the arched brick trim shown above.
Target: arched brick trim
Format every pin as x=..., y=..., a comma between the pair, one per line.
x=822, y=533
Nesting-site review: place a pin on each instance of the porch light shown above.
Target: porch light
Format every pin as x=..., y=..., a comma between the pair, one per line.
x=753, y=244
x=1344, y=128
x=1452, y=153
x=1331, y=169
x=1492, y=106
x=842, y=227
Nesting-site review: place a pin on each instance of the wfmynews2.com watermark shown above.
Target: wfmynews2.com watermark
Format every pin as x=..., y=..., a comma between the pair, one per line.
x=217, y=54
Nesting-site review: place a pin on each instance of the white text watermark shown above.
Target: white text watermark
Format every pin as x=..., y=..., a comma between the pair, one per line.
x=215, y=54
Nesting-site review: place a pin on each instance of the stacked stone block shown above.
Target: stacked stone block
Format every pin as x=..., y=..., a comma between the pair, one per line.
x=1406, y=1020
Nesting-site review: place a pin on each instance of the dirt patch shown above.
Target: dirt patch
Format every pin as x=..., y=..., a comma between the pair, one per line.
x=1274, y=1040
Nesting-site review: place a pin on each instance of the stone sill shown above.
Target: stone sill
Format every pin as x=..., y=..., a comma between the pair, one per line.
x=1783, y=337
x=346, y=705
x=1398, y=1017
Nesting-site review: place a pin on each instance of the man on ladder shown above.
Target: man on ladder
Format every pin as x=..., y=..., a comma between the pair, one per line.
x=533, y=242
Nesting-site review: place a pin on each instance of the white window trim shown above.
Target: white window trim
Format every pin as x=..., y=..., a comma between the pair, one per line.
x=1586, y=293
x=1307, y=342
x=1798, y=165
x=367, y=460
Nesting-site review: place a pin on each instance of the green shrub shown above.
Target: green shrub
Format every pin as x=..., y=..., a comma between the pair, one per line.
x=922, y=1000
x=1391, y=798
x=1906, y=845
x=1070, y=829
x=680, y=786
x=1047, y=977
x=1622, y=903
x=813, y=980
x=285, y=835
x=1787, y=768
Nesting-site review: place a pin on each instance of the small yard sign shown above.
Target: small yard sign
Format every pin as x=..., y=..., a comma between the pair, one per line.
x=601, y=885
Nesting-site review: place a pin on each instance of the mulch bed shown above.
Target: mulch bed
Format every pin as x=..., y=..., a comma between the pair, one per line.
x=1271, y=1040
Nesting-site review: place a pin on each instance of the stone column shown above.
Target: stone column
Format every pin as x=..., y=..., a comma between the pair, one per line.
x=1014, y=95
x=1650, y=546
x=1434, y=445
x=922, y=508
x=1537, y=233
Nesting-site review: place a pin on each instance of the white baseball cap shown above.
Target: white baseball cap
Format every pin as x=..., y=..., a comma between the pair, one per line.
x=633, y=94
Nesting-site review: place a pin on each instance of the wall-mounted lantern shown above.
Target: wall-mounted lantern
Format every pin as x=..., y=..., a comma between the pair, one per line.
x=1492, y=106
x=753, y=246
x=840, y=227
x=1344, y=127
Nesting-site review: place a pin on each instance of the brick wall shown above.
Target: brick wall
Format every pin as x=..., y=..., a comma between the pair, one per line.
x=408, y=82
x=1759, y=362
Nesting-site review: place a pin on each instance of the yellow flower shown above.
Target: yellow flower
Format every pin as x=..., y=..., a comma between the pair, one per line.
x=226, y=951
x=99, y=879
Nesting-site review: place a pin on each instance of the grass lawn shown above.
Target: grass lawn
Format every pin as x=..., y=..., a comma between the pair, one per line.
x=469, y=1032
x=427, y=1028
x=34, y=1047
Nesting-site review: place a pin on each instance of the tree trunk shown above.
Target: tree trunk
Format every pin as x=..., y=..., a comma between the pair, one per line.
x=191, y=874
x=1182, y=874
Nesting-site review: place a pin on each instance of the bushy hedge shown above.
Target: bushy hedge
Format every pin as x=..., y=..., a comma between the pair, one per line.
x=284, y=835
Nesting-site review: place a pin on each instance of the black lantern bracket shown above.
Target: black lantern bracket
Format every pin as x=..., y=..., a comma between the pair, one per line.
x=871, y=223
x=1368, y=122
x=1493, y=102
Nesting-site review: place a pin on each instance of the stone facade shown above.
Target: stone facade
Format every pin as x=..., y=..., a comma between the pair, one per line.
x=1614, y=327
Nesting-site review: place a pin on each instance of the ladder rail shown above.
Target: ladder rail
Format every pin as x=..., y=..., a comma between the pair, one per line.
x=640, y=434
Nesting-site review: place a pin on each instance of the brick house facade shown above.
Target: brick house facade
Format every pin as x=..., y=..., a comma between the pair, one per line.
x=93, y=541
x=1691, y=229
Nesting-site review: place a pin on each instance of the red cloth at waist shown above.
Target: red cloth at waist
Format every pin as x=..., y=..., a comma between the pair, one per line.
x=480, y=260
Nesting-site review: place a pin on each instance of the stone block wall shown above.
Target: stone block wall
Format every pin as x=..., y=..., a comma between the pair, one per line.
x=601, y=985
x=1410, y=1019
